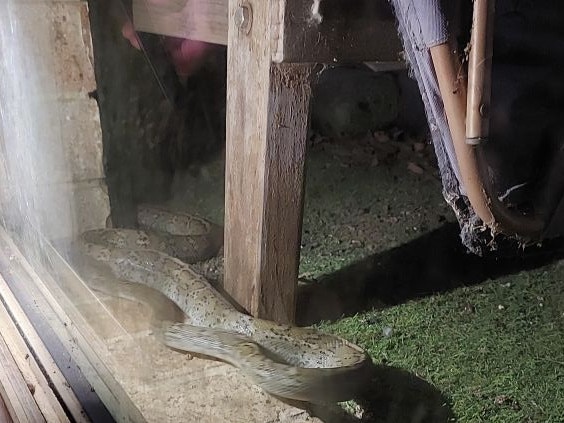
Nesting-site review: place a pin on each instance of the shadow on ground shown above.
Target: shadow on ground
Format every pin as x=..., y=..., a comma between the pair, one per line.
x=395, y=395
x=391, y=395
x=436, y=262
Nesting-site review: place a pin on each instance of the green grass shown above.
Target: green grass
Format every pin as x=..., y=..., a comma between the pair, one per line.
x=495, y=350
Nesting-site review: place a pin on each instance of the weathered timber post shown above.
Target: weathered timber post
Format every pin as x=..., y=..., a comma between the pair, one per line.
x=267, y=123
x=272, y=46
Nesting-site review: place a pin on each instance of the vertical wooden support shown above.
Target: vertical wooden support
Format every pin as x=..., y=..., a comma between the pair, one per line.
x=267, y=122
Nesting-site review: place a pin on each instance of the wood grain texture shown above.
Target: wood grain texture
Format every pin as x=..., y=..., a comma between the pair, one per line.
x=284, y=189
x=203, y=20
x=267, y=110
x=15, y=391
x=4, y=413
x=304, y=31
x=36, y=381
x=56, y=379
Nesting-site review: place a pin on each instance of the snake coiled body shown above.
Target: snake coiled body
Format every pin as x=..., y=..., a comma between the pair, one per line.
x=290, y=362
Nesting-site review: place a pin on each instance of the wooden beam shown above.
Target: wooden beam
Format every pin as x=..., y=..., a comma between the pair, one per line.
x=4, y=413
x=24, y=359
x=15, y=391
x=203, y=20
x=267, y=110
x=304, y=31
x=40, y=353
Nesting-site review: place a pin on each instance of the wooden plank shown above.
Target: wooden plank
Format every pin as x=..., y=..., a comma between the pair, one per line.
x=267, y=111
x=4, y=413
x=203, y=20
x=305, y=31
x=70, y=326
x=36, y=350
x=43, y=395
x=15, y=391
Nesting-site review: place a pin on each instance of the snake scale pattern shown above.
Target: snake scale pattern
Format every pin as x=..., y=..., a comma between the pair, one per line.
x=289, y=362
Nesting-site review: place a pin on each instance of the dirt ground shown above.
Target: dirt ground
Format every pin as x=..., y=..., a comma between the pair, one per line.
x=363, y=196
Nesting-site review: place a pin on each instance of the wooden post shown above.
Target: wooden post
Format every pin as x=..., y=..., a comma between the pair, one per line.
x=268, y=95
x=267, y=122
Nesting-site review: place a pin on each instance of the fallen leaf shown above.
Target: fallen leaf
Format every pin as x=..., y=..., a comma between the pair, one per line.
x=414, y=168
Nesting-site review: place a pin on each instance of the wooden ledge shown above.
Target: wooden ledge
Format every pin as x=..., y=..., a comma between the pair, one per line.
x=302, y=31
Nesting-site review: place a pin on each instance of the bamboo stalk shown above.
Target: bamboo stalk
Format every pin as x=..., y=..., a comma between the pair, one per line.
x=452, y=86
x=479, y=187
x=479, y=72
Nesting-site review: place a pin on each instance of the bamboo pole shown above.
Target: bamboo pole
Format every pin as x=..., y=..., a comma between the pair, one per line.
x=467, y=134
x=479, y=73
